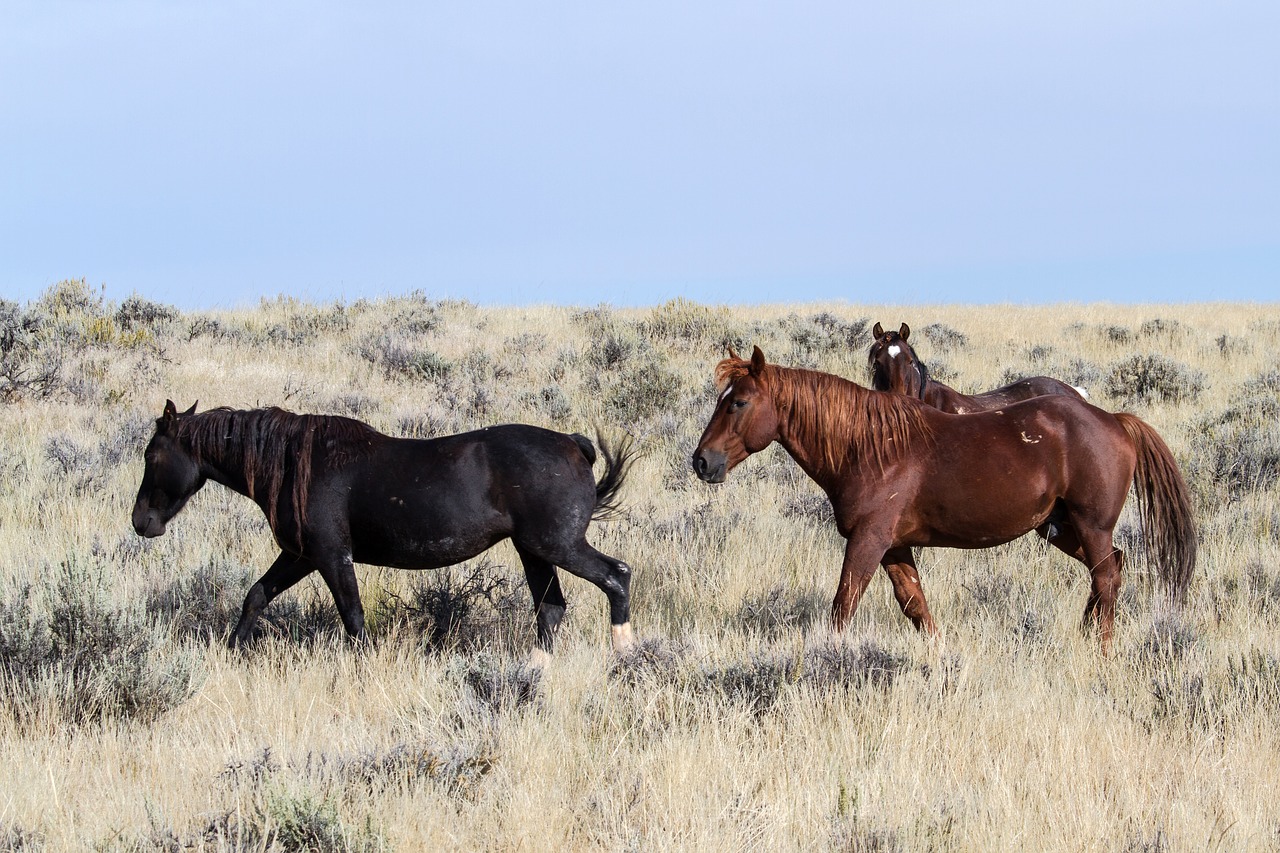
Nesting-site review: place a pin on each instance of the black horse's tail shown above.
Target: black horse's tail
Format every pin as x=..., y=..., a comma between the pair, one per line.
x=617, y=464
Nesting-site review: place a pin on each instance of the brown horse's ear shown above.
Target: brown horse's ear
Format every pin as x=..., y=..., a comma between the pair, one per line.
x=757, y=361
x=904, y=332
x=878, y=331
x=733, y=355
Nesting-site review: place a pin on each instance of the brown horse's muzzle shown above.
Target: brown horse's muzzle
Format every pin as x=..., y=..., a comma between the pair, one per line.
x=710, y=465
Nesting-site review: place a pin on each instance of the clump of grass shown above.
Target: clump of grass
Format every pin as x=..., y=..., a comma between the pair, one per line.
x=138, y=313
x=774, y=611
x=399, y=359
x=761, y=681
x=943, y=338
x=66, y=650
x=1153, y=378
x=650, y=658
x=497, y=687
x=1238, y=450
x=686, y=323
x=459, y=608
x=28, y=370
x=642, y=391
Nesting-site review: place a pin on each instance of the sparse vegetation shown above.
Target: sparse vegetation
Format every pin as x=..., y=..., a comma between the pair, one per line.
x=737, y=722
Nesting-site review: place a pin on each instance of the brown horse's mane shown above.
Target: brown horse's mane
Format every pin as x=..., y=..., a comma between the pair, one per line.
x=839, y=420
x=272, y=443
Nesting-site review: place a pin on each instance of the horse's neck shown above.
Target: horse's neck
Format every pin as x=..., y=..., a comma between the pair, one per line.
x=222, y=465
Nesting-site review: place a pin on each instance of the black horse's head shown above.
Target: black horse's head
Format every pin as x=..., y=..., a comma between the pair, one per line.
x=172, y=475
x=893, y=363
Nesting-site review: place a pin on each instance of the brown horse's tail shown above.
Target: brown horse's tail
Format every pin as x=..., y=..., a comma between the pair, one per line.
x=1165, y=507
x=617, y=464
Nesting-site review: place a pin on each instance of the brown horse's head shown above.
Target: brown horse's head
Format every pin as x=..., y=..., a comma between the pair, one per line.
x=893, y=363
x=171, y=476
x=745, y=420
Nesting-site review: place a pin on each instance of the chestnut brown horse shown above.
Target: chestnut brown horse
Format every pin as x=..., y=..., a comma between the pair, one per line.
x=902, y=474
x=896, y=367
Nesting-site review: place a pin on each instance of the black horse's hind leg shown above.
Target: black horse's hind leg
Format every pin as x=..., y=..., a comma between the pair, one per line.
x=548, y=600
x=286, y=571
x=340, y=576
x=614, y=579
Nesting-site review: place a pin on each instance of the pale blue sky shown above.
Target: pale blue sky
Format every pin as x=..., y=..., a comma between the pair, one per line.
x=208, y=154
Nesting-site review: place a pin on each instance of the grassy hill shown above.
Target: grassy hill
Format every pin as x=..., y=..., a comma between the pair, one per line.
x=741, y=722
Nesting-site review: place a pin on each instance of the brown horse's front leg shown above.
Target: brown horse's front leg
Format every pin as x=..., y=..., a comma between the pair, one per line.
x=860, y=560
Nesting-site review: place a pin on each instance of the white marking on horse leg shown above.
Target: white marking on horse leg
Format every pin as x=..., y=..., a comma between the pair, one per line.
x=538, y=658
x=622, y=637
x=895, y=351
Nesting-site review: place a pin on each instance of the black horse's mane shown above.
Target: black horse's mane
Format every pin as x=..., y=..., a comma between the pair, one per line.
x=272, y=443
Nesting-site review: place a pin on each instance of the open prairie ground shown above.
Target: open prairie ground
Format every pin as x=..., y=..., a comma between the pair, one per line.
x=741, y=722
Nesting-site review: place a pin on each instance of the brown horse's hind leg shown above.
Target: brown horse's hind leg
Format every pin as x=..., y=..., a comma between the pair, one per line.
x=901, y=566
x=1106, y=568
x=1106, y=563
x=286, y=571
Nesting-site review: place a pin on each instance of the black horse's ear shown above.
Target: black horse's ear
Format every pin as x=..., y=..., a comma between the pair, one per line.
x=757, y=361
x=192, y=410
x=904, y=332
x=170, y=410
x=878, y=331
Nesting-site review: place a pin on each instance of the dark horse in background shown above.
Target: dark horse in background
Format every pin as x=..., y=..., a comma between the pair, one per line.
x=902, y=474
x=336, y=491
x=896, y=367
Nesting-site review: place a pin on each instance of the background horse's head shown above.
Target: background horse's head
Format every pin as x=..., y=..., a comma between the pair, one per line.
x=172, y=475
x=745, y=420
x=893, y=363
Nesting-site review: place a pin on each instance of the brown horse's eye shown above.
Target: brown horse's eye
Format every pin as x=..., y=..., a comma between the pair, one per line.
x=737, y=404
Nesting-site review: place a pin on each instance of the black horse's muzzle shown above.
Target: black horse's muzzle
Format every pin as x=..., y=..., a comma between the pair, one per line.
x=710, y=465
x=148, y=523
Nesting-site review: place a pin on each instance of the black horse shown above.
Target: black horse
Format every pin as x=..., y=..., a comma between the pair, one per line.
x=336, y=491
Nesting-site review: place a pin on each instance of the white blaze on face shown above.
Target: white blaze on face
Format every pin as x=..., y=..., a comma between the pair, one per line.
x=728, y=389
x=895, y=351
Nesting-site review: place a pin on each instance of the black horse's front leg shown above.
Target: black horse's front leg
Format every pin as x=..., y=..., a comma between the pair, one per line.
x=286, y=571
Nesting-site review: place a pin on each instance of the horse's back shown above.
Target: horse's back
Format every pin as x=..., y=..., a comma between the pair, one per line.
x=427, y=502
x=1016, y=392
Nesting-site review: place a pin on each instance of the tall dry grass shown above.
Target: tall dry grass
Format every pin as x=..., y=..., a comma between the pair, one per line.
x=741, y=723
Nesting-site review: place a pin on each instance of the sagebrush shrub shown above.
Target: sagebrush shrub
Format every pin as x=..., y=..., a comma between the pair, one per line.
x=67, y=651
x=1153, y=378
x=1237, y=450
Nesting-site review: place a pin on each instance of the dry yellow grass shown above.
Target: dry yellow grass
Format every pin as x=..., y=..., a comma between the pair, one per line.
x=1009, y=732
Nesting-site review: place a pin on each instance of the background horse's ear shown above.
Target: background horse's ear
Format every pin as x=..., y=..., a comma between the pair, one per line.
x=878, y=331
x=904, y=332
x=757, y=360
